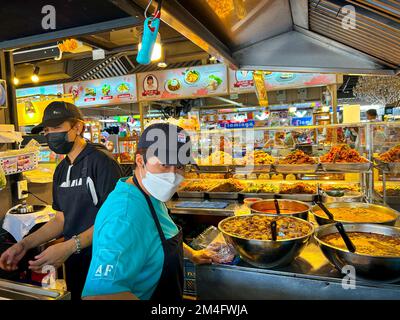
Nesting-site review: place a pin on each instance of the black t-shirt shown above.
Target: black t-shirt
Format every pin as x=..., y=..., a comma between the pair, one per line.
x=102, y=170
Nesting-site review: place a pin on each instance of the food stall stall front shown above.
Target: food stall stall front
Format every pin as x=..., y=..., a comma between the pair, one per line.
x=308, y=163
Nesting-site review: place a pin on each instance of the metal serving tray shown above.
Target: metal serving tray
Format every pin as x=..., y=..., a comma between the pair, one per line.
x=214, y=169
x=392, y=167
x=191, y=194
x=258, y=195
x=301, y=197
x=265, y=168
x=296, y=168
x=346, y=166
x=223, y=195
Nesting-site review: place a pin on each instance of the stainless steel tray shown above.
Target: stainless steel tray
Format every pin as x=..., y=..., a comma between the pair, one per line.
x=223, y=195
x=348, y=197
x=300, y=197
x=296, y=168
x=265, y=168
x=258, y=195
x=392, y=167
x=215, y=169
x=191, y=194
x=346, y=166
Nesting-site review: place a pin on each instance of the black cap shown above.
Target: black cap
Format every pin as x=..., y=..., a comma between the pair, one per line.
x=56, y=113
x=169, y=143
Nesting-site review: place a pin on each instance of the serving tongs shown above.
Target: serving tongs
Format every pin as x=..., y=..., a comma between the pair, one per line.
x=273, y=223
x=339, y=226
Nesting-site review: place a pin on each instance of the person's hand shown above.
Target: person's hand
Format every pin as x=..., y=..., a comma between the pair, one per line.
x=54, y=256
x=203, y=256
x=12, y=256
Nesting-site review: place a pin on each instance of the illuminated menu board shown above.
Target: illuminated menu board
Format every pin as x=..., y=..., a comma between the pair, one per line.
x=103, y=91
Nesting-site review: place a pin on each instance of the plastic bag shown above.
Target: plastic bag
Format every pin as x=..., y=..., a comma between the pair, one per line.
x=213, y=240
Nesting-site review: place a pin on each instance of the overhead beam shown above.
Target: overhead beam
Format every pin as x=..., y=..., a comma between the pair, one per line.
x=180, y=19
x=71, y=32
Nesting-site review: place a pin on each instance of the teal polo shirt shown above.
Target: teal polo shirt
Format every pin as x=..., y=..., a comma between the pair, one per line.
x=127, y=250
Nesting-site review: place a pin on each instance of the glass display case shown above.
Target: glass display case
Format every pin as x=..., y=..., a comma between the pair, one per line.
x=276, y=160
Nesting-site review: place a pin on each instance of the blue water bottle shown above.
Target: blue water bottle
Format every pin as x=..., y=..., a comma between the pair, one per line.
x=151, y=26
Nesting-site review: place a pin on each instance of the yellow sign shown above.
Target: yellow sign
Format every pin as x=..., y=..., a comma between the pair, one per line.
x=261, y=90
x=31, y=113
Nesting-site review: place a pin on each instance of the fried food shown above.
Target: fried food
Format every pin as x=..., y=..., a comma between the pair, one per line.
x=198, y=186
x=230, y=185
x=257, y=157
x=363, y=215
x=217, y=158
x=343, y=154
x=298, y=188
x=258, y=227
x=261, y=188
x=393, y=155
x=340, y=187
x=391, y=191
x=367, y=243
x=297, y=157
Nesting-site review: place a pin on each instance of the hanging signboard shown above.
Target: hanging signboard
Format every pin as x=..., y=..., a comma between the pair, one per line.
x=3, y=94
x=56, y=89
x=103, y=91
x=242, y=81
x=261, y=89
x=193, y=82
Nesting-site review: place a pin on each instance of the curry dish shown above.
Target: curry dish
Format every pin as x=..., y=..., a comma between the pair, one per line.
x=357, y=215
x=367, y=243
x=258, y=227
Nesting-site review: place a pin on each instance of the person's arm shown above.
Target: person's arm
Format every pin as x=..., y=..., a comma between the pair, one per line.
x=57, y=254
x=12, y=256
x=119, y=254
x=51, y=230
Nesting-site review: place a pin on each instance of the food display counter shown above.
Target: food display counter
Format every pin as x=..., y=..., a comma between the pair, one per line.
x=337, y=168
x=309, y=277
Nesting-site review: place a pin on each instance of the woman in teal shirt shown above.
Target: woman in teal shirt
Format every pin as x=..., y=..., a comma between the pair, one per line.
x=137, y=248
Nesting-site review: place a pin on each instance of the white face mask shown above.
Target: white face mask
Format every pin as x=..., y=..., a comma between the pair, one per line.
x=162, y=186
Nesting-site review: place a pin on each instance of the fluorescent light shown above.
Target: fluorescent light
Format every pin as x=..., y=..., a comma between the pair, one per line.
x=16, y=81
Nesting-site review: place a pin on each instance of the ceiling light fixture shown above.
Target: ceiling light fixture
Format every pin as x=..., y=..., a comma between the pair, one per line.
x=35, y=75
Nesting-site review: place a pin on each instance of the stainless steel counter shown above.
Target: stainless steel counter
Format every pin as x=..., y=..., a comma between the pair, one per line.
x=226, y=212
x=17, y=291
x=309, y=277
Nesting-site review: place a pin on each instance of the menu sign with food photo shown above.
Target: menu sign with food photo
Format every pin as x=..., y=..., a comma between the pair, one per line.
x=103, y=91
x=193, y=82
x=242, y=81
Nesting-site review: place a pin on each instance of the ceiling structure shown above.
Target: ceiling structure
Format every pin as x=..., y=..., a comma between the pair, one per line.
x=292, y=35
x=273, y=35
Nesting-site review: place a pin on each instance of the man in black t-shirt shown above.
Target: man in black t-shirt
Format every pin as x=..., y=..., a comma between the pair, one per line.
x=81, y=183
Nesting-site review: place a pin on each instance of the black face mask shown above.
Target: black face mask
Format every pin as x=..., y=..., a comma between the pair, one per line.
x=58, y=142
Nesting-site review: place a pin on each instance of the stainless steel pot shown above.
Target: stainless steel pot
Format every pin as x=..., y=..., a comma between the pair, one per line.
x=367, y=266
x=322, y=219
x=267, y=253
x=296, y=208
